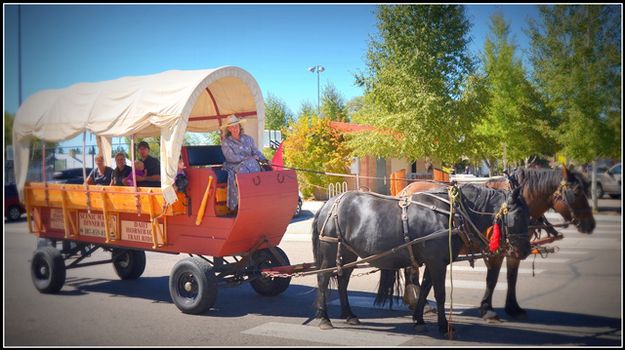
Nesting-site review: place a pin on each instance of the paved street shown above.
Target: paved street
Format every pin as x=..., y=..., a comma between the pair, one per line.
x=574, y=298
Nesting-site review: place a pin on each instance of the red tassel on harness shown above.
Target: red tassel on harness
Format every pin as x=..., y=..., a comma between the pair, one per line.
x=494, y=238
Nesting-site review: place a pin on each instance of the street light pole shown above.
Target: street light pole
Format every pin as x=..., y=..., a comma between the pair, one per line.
x=318, y=69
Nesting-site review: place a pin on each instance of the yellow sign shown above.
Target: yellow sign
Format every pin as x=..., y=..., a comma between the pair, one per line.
x=56, y=219
x=139, y=231
x=93, y=224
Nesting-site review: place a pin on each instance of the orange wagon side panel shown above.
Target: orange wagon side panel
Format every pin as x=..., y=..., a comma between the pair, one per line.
x=267, y=202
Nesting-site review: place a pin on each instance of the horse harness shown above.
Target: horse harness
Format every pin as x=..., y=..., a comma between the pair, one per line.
x=560, y=195
x=460, y=217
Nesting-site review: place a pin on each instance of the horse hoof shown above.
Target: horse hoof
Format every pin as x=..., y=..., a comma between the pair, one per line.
x=490, y=316
x=353, y=321
x=325, y=325
x=428, y=309
x=420, y=328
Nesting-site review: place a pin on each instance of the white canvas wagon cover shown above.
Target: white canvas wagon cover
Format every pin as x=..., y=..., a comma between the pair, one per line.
x=165, y=104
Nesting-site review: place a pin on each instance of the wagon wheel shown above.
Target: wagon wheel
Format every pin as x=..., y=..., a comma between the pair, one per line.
x=193, y=285
x=14, y=213
x=269, y=286
x=129, y=264
x=47, y=270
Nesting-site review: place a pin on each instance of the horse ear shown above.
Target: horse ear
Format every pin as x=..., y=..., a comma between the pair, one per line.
x=571, y=169
x=565, y=173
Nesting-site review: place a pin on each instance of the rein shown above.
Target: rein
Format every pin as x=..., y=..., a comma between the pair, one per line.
x=455, y=201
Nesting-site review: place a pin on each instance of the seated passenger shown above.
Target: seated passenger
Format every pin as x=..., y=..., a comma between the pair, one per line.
x=122, y=171
x=241, y=156
x=152, y=177
x=180, y=181
x=101, y=174
x=139, y=171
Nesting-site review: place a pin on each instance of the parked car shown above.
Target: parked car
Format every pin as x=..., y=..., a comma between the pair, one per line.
x=13, y=208
x=609, y=182
x=298, y=210
x=70, y=176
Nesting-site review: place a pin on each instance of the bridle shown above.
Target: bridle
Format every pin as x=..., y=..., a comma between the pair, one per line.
x=562, y=194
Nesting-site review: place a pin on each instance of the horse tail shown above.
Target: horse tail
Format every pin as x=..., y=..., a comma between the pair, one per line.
x=387, y=287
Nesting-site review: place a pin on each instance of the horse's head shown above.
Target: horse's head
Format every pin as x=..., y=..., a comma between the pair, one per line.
x=571, y=202
x=516, y=220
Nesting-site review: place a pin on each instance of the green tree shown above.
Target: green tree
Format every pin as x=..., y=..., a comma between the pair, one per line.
x=313, y=144
x=354, y=106
x=277, y=114
x=577, y=65
x=307, y=109
x=333, y=104
x=416, y=66
x=513, y=117
x=8, y=128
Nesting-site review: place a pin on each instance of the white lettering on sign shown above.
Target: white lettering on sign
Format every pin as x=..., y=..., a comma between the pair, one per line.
x=93, y=225
x=56, y=219
x=140, y=231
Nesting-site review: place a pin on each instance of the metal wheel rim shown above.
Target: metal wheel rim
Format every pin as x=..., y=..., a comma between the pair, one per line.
x=124, y=260
x=14, y=213
x=185, y=280
x=41, y=269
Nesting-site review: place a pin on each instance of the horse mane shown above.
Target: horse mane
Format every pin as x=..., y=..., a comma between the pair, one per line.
x=481, y=197
x=538, y=181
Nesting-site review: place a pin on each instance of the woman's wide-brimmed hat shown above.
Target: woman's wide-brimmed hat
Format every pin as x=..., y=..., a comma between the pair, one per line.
x=232, y=120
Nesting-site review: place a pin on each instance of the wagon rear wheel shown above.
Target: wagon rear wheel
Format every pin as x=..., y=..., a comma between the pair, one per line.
x=129, y=264
x=270, y=286
x=193, y=285
x=47, y=270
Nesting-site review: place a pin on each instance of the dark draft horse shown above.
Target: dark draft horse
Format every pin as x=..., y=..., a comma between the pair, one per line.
x=563, y=190
x=366, y=224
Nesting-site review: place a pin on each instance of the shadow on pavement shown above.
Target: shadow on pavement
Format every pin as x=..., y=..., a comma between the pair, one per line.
x=303, y=216
x=543, y=327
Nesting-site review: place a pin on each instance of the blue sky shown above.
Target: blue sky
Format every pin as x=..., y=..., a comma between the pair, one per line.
x=66, y=44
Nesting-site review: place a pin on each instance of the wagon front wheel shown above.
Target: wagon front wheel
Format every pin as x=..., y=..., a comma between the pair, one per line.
x=193, y=285
x=47, y=270
x=270, y=286
x=129, y=264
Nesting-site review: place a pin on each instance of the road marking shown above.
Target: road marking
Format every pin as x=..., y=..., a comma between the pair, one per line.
x=398, y=304
x=484, y=269
x=592, y=243
x=335, y=336
x=480, y=285
x=570, y=252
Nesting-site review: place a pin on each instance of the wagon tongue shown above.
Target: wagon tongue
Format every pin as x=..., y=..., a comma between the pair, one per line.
x=287, y=270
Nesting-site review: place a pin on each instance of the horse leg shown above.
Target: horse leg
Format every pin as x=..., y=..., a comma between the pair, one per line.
x=412, y=289
x=512, y=307
x=346, y=311
x=323, y=279
x=486, y=306
x=437, y=275
x=417, y=316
